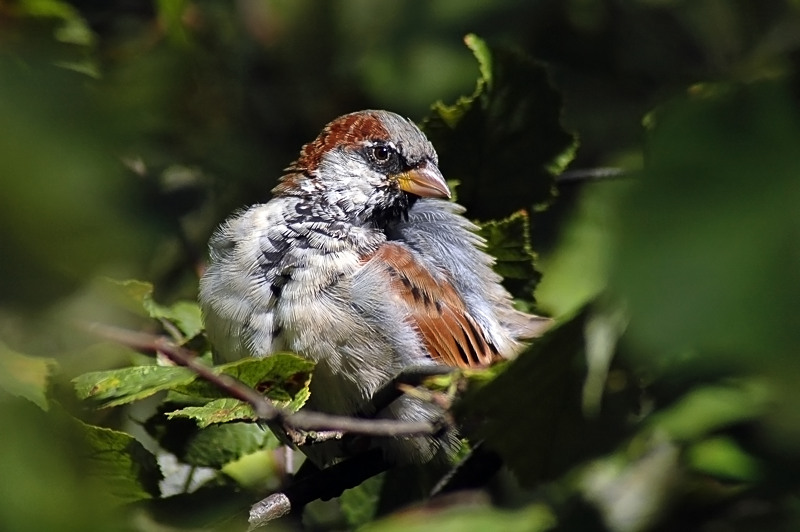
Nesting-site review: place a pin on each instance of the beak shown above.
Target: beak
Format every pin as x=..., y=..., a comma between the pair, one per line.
x=425, y=181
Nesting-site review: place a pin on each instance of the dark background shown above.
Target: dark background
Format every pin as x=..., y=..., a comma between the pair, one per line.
x=130, y=129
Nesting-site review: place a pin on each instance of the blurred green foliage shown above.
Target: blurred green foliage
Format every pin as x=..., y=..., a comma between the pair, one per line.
x=665, y=399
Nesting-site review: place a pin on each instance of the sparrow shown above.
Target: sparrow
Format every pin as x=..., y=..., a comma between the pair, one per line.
x=360, y=264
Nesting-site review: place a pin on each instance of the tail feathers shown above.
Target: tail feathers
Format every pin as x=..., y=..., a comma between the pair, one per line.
x=527, y=326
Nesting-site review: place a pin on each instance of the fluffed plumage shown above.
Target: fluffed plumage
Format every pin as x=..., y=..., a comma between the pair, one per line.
x=358, y=265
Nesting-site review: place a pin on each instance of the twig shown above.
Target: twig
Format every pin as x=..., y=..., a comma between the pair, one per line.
x=591, y=174
x=318, y=484
x=263, y=408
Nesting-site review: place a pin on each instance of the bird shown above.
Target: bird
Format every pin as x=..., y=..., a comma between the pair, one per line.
x=360, y=263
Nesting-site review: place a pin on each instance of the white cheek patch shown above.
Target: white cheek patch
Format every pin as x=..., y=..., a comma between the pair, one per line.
x=348, y=179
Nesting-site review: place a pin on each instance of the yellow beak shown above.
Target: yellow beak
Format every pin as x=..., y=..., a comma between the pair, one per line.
x=425, y=181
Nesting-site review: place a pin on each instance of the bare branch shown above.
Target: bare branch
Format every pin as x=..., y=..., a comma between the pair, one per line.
x=318, y=484
x=581, y=175
x=325, y=424
x=266, y=510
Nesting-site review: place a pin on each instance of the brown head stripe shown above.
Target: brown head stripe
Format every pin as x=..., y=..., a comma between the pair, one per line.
x=345, y=130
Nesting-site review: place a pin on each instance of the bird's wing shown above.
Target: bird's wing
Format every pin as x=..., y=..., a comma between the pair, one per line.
x=431, y=304
x=438, y=232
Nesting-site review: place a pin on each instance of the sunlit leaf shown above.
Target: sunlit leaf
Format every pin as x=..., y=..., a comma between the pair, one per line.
x=185, y=315
x=122, y=386
x=74, y=29
x=262, y=469
x=216, y=411
x=725, y=459
x=282, y=377
x=577, y=271
x=170, y=14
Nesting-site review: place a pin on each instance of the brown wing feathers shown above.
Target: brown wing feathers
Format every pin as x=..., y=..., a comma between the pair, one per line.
x=449, y=332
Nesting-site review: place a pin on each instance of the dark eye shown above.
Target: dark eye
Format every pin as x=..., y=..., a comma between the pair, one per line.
x=380, y=154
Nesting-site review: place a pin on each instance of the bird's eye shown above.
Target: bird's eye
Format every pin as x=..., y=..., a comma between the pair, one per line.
x=380, y=154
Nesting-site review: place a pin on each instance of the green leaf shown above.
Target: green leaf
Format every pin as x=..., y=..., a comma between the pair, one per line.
x=532, y=413
x=170, y=15
x=710, y=408
x=121, y=386
x=707, y=256
x=723, y=458
x=282, y=377
x=360, y=504
x=260, y=470
x=25, y=376
x=218, y=445
x=505, y=142
x=212, y=446
x=508, y=241
x=49, y=478
x=124, y=466
x=483, y=55
x=216, y=411
x=533, y=518
x=577, y=270
x=74, y=30
x=185, y=315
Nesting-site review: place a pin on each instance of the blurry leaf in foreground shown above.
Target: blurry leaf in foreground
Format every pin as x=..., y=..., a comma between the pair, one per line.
x=534, y=518
x=532, y=415
x=65, y=200
x=73, y=28
x=505, y=142
x=709, y=408
x=578, y=269
x=635, y=485
x=25, y=376
x=708, y=258
x=723, y=458
x=633, y=494
x=47, y=479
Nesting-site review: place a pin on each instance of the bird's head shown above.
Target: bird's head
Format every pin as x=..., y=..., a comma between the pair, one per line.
x=372, y=165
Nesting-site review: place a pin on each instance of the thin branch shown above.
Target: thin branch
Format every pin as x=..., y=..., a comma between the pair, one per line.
x=263, y=408
x=591, y=174
x=318, y=484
